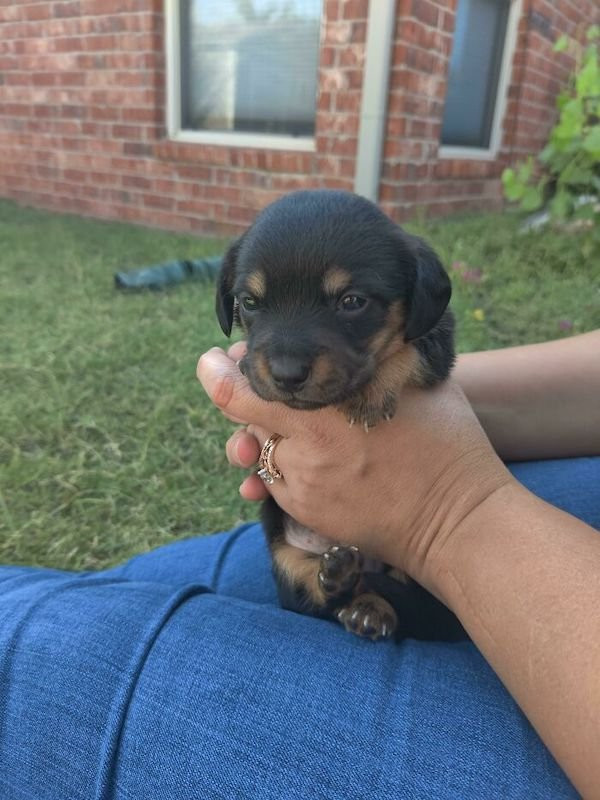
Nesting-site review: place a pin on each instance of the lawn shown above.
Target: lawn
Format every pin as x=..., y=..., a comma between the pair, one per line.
x=108, y=446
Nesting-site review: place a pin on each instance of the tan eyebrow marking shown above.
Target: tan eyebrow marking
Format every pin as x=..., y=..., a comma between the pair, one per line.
x=257, y=284
x=336, y=280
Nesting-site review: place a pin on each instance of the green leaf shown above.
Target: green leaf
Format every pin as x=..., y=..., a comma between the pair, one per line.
x=562, y=99
x=587, y=82
x=561, y=204
x=508, y=176
x=591, y=143
x=578, y=171
x=532, y=199
x=561, y=44
x=571, y=120
x=547, y=153
x=525, y=170
x=513, y=187
x=593, y=33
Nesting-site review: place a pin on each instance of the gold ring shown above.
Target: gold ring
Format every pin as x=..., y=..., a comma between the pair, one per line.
x=268, y=471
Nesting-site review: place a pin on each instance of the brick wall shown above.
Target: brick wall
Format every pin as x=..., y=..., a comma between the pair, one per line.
x=413, y=174
x=82, y=110
x=82, y=113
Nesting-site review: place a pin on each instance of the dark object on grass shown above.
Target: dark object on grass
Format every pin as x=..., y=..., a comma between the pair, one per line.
x=160, y=276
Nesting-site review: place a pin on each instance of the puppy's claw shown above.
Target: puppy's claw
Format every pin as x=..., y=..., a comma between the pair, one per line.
x=351, y=421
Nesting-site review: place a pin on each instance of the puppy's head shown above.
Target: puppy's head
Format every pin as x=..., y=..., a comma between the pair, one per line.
x=325, y=286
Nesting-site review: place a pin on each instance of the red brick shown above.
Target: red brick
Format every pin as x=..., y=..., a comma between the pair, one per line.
x=130, y=132
x=37, y=11
x=69, y=44
x=141, y=115
x=355, y=9
x=68, y=9
x=136, y=182
x=70, y=78
x=425, y=11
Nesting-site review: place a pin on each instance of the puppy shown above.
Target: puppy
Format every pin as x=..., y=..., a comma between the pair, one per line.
x=339, y=307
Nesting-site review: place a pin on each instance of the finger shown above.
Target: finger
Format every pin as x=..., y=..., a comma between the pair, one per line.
x=230, y=391
x=252, y=488
x=237, y=420
x=260, y=434
x=280, y=454
x=242, y=450
x=281, y=459
x=237, y=351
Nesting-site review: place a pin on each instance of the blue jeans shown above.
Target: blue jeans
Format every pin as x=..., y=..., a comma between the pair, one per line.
x=176, y=675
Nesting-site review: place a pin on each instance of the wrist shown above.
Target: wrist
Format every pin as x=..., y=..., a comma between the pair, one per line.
x=468, y=536
x=462, y=499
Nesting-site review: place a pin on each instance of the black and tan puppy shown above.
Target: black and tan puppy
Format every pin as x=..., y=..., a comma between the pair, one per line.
x=340, y=307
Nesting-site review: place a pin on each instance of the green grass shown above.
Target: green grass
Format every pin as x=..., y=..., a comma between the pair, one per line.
x=108, y=445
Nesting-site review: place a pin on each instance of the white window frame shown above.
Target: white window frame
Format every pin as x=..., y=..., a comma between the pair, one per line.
x=490, y=153
x=224, y=138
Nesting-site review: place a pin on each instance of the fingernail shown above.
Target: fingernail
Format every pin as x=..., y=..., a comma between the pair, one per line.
x=211, y=366
x=215, y=357
x=236, y=446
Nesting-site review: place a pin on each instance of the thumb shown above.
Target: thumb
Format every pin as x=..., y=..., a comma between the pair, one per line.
x=230, y=391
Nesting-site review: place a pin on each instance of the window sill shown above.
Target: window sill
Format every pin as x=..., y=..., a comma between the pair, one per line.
x=467, y=153
x=249, y=140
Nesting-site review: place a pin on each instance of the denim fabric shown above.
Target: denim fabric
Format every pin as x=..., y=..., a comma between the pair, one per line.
x=177, y=676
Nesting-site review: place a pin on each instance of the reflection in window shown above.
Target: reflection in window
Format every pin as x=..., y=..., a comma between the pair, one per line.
x=474, y=72
x=250, y=65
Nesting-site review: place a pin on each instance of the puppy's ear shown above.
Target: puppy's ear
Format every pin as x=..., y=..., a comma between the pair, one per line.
x=225, y=280
x=430, y=295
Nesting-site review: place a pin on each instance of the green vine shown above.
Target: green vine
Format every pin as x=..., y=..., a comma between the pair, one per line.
x=565, y=175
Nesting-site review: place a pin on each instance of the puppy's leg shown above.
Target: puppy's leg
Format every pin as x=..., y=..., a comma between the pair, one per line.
x=378, y=400
x=296, y=571
x=369, y=408
x=318, y=583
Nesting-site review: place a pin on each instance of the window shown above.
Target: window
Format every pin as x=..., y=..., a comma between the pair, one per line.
x=475, y=73
x=247, y=70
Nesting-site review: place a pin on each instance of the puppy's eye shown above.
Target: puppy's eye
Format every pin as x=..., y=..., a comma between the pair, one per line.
x=352, y=302
x=249, y=303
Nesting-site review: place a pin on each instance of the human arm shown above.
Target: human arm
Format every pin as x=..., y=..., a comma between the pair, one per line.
x=427, y=493
x=524, y=579
x=539, y=400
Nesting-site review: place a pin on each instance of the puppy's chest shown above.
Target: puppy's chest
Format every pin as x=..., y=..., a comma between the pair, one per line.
x=311, y=541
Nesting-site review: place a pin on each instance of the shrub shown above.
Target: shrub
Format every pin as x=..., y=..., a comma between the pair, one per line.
x=565, y=176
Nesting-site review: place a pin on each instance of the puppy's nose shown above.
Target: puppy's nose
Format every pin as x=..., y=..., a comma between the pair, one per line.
x=288, y=373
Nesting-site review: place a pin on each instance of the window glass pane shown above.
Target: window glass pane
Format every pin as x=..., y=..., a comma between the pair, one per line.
x=474, y=70
x=250, y=65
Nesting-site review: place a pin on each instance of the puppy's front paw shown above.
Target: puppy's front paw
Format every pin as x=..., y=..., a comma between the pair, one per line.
x=367, y=412
x=369, y=616
x=340, y=570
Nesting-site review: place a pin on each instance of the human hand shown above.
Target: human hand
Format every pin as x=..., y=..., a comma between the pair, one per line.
x=398, y=492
